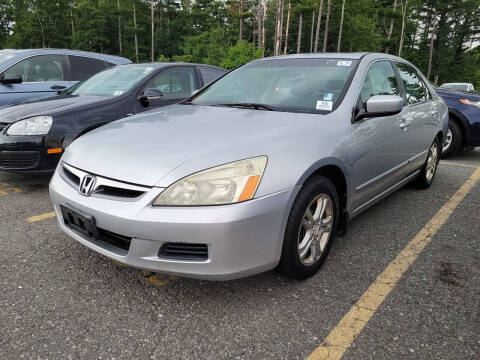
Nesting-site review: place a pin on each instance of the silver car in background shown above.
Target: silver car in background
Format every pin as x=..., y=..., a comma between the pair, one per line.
x=259, y=170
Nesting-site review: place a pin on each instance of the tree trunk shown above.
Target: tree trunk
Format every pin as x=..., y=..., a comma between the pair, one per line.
x=73, y=27
x=119, y=27
x=259, y=24
x=264, y=30
x=135, y=30
x=432, y=42
x=311, y=30
x=390, y=30
x=278, y=29
x=339, y=44
x=286, y=29
x=402, y=34
x=240, y=14
x=153, y=30
x=319, y=22
x=325, y=35
x=299, y=38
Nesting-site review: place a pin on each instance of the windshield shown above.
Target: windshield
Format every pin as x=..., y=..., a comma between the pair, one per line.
x=112, y=82
x=304, y=85
x=4, y=56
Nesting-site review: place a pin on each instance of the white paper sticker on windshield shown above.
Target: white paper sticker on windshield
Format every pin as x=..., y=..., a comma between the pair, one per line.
x=328, y=96
x=117, y=92
x=344, y=63
x=324, y=105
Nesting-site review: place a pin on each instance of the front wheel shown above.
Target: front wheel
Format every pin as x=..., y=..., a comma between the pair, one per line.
x=310, y=230
x=429, y=169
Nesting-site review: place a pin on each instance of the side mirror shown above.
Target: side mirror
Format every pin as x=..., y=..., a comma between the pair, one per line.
x=380, y=105
x=10, y=79
x=151, y=94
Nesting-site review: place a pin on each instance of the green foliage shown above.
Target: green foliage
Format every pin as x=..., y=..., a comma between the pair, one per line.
x=239, y=54
x=162, y=58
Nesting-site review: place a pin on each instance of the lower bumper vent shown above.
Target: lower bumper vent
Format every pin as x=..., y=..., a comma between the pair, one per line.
x=19, y=159
x=184, y=251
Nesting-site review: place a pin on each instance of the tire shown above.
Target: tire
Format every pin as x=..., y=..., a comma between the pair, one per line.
x=429, y=169
x=319, y=192
x=453, y=139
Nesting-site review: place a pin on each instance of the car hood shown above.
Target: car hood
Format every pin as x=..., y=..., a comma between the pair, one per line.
x=145, y=148
x=458, y=94
x=48, y=106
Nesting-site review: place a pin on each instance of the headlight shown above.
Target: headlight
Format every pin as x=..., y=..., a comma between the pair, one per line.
x=226, y=184
x=470, y=102
x=37, y=125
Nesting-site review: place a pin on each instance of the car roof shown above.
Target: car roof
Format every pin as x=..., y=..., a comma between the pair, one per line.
x=20, y=53
x=165, y=64
x=351, y=56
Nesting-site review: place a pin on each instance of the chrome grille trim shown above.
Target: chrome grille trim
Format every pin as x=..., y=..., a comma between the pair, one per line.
x=102, y=184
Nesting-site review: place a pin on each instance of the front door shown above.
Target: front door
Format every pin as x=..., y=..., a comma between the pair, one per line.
x=380, y=141
x=176, y=84
x=42, y=76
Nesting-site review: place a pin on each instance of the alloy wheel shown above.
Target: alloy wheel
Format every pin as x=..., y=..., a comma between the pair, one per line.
x=315, y=229
x=448, y=140
x=432, y=162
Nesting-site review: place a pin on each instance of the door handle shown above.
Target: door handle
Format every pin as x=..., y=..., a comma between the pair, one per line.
x=58, y=87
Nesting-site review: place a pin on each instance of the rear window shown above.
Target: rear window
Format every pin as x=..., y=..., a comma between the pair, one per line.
x=82, y=67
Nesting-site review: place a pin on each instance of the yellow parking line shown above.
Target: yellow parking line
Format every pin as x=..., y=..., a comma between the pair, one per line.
x=41, y=217
x=350, y=326
x=457, y=164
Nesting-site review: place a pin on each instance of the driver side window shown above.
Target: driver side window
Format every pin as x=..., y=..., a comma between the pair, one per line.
x=380, y=80
x=43, y=68
x=174, y=83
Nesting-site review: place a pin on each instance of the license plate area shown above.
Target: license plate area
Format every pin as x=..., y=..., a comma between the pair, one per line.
x=79, y=221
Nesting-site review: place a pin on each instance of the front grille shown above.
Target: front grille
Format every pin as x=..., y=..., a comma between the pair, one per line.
x=118, y=192
x=184, y=251
x=3, y=126
x=71, y=176
x=120, y=241
x=19, y=159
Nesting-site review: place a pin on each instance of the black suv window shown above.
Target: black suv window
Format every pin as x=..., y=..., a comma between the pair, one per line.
x=42, y=68
x=415, y=90
x=380, y=80
x=82, y=67
x=209, y=74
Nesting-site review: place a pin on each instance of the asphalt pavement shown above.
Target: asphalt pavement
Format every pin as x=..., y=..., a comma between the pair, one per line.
x=60, y=300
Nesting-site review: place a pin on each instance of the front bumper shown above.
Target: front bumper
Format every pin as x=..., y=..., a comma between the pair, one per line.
x=27, y=154
x=242, y=239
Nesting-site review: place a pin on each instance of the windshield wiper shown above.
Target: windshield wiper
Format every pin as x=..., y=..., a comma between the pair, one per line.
x=251, y=106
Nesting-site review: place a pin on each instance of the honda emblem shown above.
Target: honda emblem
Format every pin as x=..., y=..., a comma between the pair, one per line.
x=87, y=185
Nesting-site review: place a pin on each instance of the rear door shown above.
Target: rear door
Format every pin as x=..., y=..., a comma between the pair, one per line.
x=42, y=76
x=380, y=141
x=418, y=115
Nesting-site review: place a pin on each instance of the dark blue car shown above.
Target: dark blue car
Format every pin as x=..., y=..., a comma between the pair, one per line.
x=37, y=73
x=464, y=123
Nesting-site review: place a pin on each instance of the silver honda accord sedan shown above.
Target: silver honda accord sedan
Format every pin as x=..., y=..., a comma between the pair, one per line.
x=259, y=170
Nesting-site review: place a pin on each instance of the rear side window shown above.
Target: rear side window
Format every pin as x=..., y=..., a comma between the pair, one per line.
x=380, y=80
x=42, y=68
x=415, y=90
x=82, y=67
x=209, y=74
